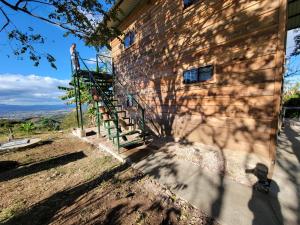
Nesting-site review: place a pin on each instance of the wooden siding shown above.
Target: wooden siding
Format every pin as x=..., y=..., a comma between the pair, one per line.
x=243, y=40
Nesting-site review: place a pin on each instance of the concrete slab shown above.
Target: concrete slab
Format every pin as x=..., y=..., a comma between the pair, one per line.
x=22, y=145
x=220, y=197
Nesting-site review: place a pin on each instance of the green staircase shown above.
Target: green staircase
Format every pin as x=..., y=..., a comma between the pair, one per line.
x=113, y=117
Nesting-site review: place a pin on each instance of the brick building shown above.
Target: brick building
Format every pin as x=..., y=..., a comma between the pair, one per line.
x=206, y=71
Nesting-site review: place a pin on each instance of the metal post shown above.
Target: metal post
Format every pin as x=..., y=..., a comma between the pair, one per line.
x=117, y=131
x=98, y=117
x=114, y=77
x=97, y=65
x=79, y=100
x=76, y=102
x=75, y=92
x=143, y=123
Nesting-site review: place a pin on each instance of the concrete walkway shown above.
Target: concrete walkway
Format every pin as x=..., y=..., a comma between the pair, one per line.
x=218, y=195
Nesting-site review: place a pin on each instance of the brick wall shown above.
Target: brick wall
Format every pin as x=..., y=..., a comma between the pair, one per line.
x=244, y=40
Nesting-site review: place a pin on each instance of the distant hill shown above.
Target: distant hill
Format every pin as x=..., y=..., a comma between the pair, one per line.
x=32, y=108
x=21, y=112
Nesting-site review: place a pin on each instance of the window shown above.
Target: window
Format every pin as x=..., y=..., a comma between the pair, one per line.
x=198, y=75
x=190, y=76
x=187, y=3
x=129, y=39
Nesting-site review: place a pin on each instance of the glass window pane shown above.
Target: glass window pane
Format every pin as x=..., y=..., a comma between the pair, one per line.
x=127, y=41
x=132, y=37
x=190, y=76
x=194, y=75
x=205, y=73
x=188, y=3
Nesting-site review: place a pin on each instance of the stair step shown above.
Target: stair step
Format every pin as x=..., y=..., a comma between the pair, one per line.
x=114, y=135
x=120, y=111
x=111, y=120
x=136, y=141
x=127, y=125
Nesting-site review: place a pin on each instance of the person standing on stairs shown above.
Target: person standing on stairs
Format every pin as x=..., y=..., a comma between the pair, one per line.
x=74, y=57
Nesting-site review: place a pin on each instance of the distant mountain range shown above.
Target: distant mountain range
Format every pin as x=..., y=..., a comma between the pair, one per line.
x=21, y=112
x=32, y=108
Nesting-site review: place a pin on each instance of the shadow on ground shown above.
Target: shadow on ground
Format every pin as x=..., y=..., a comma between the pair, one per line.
x=42, y=212
x=40, y=166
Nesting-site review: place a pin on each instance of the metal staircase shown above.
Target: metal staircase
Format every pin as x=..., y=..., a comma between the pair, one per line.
x=118, y=113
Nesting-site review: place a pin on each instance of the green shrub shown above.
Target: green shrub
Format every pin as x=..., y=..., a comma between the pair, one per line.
x=28, y=127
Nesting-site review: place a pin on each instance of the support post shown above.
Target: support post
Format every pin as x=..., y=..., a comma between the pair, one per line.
x=98, y=118
x=76, y=102
x=79, y=100
x=75, y=92
x=143, y=123
x=97, y=65
x=117, y=131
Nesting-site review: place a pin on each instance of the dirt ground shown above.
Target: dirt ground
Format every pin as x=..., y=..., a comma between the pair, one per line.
x=66, y=181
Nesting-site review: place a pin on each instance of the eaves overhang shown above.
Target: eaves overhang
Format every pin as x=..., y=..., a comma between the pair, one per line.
x=124, y=8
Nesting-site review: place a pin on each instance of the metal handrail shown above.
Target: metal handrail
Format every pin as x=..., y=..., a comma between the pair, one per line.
x=115, y=77
x=105, y=99
x=140, y=107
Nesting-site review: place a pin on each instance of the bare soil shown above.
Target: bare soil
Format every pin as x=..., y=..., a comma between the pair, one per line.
x=67, y=181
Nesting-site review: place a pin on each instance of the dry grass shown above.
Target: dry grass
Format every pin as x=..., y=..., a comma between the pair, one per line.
x=70, y=182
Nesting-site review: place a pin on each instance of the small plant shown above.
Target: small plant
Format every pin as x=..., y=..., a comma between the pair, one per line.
x=50, y=124
x=13, y=210
x=28, y=127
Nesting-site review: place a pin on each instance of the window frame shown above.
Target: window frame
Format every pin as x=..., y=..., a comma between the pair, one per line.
x=199, y=81
x=192, y=2
x=131, y=36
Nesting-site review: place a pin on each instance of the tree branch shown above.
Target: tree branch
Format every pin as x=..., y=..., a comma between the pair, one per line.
x=7, y=19
x=16, y=8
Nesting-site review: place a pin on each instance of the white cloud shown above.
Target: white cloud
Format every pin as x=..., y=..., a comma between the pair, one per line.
x=21, y=89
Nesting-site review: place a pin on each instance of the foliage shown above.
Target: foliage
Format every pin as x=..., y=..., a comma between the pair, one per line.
x=291, y=94
x=84, y=19
x=69, y=121
x=291, y=98
x=69, y=95
x=291, y=64
x=49, y=124
x=86, y=98
x=296, y=50
x=28, y=127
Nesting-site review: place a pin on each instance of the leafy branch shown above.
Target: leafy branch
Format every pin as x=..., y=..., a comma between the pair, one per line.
x=85, y=19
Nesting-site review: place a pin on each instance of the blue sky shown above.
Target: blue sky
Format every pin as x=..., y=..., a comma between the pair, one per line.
x=56, y=44
x=23, y=83
x=294, y=62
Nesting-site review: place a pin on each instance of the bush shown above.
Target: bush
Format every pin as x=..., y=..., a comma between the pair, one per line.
x=291, y=98
x=28, y=127
x=49, y=124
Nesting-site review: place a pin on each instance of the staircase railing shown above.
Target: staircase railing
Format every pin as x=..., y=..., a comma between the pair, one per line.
x=123, y=89
x=111, y=109
x=130, y=102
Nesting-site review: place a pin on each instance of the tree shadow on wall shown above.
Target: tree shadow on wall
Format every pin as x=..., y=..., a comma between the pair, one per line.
x=237, y=107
